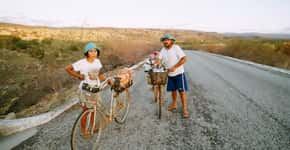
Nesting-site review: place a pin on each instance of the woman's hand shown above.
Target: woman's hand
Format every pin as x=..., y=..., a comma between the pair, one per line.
x=110, y=82
x=102, y=77
x=81, y=77
x=70, y=70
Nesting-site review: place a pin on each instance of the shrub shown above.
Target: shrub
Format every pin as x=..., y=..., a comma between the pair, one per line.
x=269, y=52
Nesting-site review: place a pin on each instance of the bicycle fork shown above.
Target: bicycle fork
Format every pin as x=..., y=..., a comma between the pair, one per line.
x=91, y=124
x=113, y=95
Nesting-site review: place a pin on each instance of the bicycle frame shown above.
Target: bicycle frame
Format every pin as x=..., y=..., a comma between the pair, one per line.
x=92, y=126
x=98, y=105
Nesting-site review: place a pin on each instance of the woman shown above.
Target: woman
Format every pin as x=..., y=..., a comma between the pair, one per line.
x=88, y=71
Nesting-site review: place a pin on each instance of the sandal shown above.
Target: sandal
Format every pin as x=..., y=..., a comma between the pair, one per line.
x=87, y=135
x=185, y=114
x=172, y=108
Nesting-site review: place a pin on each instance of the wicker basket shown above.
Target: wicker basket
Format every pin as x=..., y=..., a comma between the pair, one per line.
x=158, y=78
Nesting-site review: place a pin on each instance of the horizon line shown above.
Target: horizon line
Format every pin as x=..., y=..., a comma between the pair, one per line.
x=146, y=28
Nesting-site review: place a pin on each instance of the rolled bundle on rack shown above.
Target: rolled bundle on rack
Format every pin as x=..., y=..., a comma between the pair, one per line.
x=126, y=77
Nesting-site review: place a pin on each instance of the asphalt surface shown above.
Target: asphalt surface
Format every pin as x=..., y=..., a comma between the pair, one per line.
x=232, y=106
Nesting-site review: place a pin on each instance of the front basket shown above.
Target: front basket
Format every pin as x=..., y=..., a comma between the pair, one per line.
x=158, y=78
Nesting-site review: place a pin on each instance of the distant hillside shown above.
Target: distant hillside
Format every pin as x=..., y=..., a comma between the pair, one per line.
x=261, y=35
x=32, y=78
x=32, y=60
x=99, y=34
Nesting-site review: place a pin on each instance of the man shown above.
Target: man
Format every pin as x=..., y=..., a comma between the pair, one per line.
x=174, y=58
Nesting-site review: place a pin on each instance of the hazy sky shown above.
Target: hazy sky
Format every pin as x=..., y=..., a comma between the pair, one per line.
x=207, y=15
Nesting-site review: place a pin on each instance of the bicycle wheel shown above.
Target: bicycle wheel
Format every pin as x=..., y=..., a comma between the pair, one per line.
x=159, y=101
x=122, y=105
x=87, y=130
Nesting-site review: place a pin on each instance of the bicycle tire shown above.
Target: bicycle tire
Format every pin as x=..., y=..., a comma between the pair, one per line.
x=159, y=102
x=124, y=97
x=78, y=142
x=156, y=99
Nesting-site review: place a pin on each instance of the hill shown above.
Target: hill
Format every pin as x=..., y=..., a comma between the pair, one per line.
x=261, y=35
x=33, y=58
x=32, y=76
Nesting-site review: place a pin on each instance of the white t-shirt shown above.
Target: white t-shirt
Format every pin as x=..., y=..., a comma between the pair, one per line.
x=86, y=68
x=171, y=57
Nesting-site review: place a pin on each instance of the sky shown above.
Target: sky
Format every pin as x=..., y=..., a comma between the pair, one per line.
x=267, y=16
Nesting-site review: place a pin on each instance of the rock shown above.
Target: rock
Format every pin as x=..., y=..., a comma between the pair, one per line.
x=11, y=115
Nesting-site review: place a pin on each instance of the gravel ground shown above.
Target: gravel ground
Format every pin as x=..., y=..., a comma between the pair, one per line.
x=232, y=106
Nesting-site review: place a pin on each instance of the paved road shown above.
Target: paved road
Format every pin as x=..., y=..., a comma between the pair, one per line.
x=232, y=106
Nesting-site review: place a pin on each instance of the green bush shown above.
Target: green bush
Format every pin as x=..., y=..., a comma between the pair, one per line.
x=17, y=44
x=47, y=41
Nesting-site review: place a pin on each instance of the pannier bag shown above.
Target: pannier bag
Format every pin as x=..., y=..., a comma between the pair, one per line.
x=88, y=88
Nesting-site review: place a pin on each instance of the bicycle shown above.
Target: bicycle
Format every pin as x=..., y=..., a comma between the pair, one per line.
x=88, y=127
x=157, y=77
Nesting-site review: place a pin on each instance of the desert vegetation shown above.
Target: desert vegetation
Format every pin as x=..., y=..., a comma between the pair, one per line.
x=32, y=70
x=264, y=51
x=273, y=52
x=32, y=59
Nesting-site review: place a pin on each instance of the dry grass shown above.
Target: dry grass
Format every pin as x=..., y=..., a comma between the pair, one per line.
x=270, y=52
x=264, y=51
x=32, y=59
x=41, y=81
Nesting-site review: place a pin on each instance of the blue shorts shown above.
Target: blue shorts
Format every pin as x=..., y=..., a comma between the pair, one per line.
x=177, y=82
